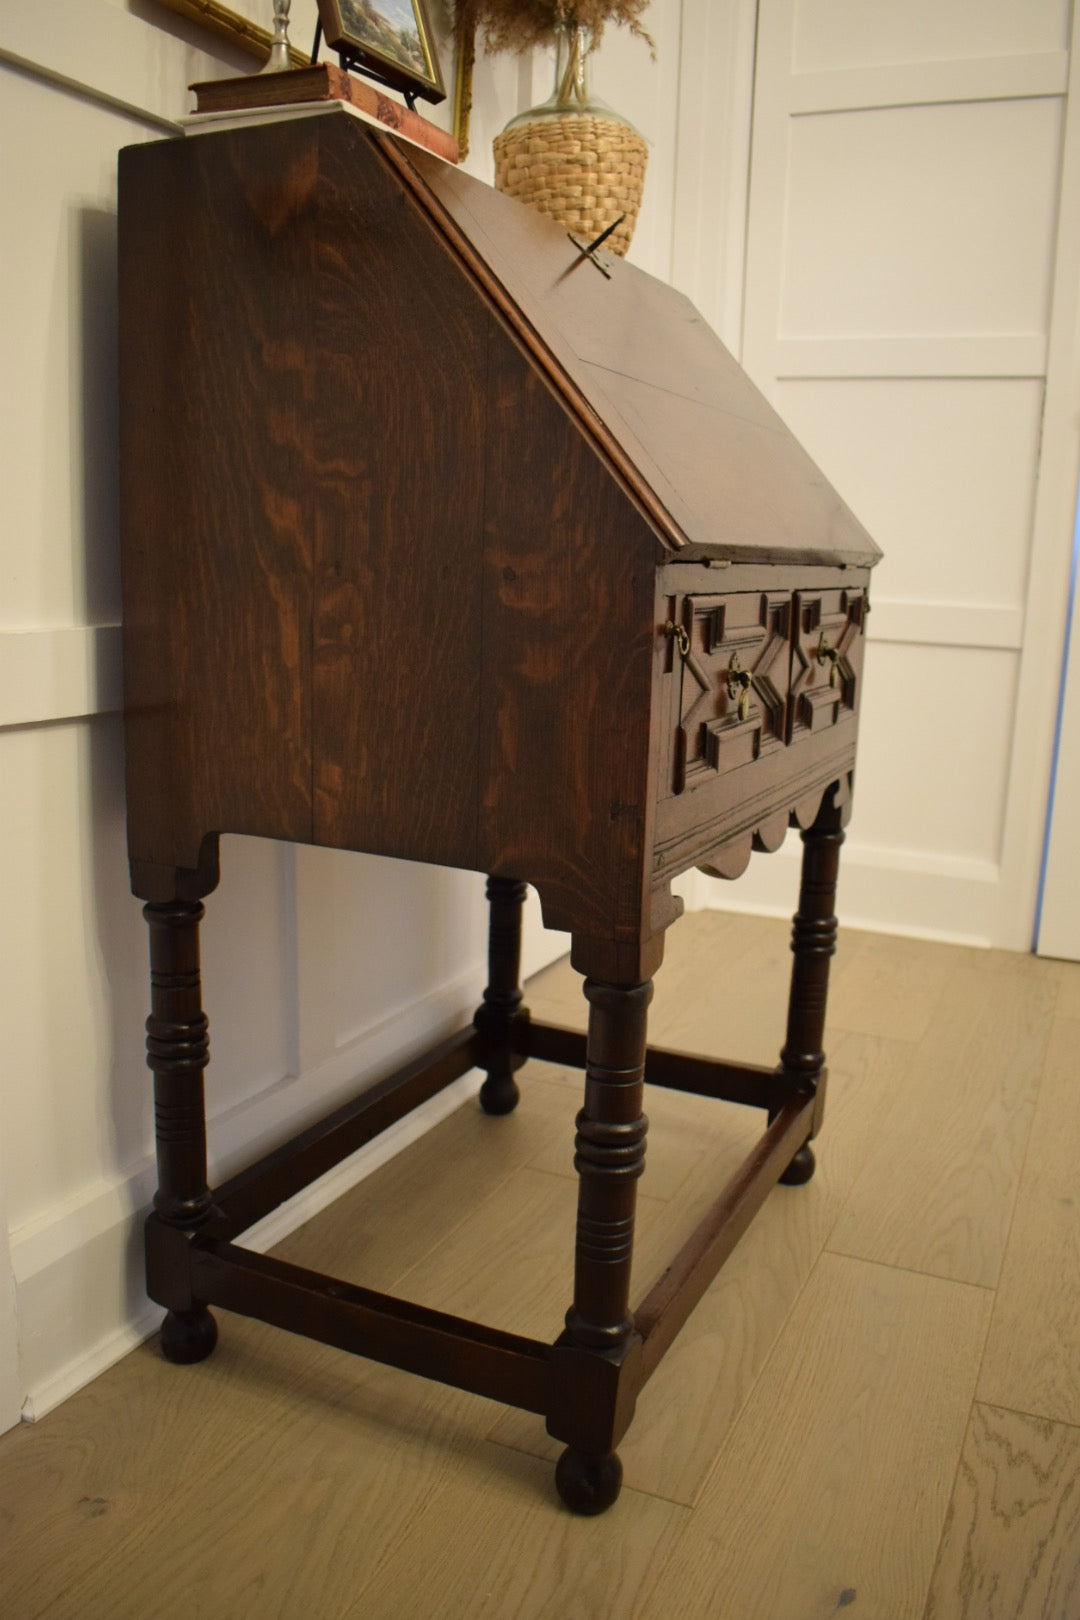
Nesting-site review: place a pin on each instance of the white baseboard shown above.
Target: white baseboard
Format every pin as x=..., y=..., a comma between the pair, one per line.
x=78, y=1268
x=949, y=898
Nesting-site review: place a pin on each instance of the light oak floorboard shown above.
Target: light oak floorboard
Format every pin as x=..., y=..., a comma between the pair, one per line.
x=937, y=1192
x=833, y=1485
x=432, y=1187
x=890, y=986
x=712, y=1365
x=499, y=1546
x=273, y=1470
x=797, y=1445
x=1011, y=1548
x=1032, y=1359
x=1069, y=994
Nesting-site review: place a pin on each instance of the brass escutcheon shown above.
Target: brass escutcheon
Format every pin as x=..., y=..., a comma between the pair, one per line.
x=829, y=655
x=739, y=681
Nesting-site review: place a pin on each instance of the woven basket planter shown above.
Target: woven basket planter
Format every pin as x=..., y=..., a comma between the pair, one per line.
x=582, y=170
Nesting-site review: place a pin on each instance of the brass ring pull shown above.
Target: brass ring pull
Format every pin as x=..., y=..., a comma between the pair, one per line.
x=682, y=640
x=739, y=682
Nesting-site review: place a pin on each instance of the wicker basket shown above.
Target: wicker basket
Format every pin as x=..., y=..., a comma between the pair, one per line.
x=582, y=170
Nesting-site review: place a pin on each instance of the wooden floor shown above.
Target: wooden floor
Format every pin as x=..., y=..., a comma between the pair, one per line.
x=875, y=1409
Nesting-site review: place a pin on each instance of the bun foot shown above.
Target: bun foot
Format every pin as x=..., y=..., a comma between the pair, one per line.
x=499, y=1094
x=188, y=1336
x=588, y=1484
x=801, y=1168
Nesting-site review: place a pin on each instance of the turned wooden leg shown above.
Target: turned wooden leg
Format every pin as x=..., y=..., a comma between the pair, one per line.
x=502, y=998
x=177, y=1050
x=813, y=943
x=610, y=1156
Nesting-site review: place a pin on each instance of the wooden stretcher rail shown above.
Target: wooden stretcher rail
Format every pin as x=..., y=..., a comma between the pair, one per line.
x=483, y=1360
x=271, y=1180
x=670, y=1301
x=748, y=1083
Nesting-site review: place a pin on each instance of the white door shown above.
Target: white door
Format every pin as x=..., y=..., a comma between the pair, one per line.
x=909, y=282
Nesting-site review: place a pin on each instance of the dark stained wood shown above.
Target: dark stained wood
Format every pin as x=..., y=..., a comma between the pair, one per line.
x=748, y=1083
x=401, y=399
x=609, y=1155
x=669, y=1302
x=178, y=1050
x=813, y=944
x=255, y=1191
x=569, y=653
x=501, y=1012
x=503, y=1366
x=216, y=446
x=433, y=550
x=692, y=426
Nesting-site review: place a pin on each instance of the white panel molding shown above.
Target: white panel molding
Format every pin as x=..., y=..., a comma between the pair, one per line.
x=917, y=84
x=944, y=355
x=1051, y=557
x=712, y=159
x=106, y=54
x=947, y=624
x=887, y=890
x=65, y=673
x=89, y=1248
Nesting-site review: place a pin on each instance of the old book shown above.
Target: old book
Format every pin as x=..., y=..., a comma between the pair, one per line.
x=323, y=82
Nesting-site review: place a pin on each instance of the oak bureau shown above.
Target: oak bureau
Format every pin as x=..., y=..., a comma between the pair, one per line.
x=445, y=540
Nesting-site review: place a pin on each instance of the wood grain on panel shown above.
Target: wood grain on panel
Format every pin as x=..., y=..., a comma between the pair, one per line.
x=217, y=447
x=833, y=1486
x=1011, y=1547
x=402, y=343
x=677, y=405
x=569, y=649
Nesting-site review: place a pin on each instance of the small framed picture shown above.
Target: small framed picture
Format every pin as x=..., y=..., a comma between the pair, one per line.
x=390, y=40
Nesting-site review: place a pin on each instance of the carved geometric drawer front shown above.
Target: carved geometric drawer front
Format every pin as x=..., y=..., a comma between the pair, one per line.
x=733, y=655
x=826, y=658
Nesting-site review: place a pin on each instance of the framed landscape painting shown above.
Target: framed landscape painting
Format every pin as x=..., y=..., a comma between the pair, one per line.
x=389, y=39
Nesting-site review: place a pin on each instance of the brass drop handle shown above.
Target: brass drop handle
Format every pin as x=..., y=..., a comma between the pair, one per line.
x=739, y=681
x=828, y=655
x=682, y=640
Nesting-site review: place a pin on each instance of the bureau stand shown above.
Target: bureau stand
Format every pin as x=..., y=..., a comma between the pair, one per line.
x=438, y=544
x=586, y=1384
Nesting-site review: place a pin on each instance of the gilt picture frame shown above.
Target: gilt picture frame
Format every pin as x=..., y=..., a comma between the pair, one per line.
x=390, y=40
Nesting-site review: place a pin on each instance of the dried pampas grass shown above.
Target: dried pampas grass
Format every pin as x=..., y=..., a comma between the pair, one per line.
x=519, y=25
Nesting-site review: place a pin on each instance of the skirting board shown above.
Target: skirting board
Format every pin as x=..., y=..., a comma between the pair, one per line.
x=78, y=1269
x=950, y=898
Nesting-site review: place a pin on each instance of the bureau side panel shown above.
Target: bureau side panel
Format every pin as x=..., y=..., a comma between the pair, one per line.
x=215, y=448
x=402, y=338
x=569, y=654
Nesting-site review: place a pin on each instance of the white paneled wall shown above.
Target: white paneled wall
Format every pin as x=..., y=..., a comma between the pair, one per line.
x=905, y=150
x=904, y=268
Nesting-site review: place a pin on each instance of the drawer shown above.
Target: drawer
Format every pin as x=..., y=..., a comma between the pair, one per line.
x=732, y=674
x=760, y=693
x=826, y=659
